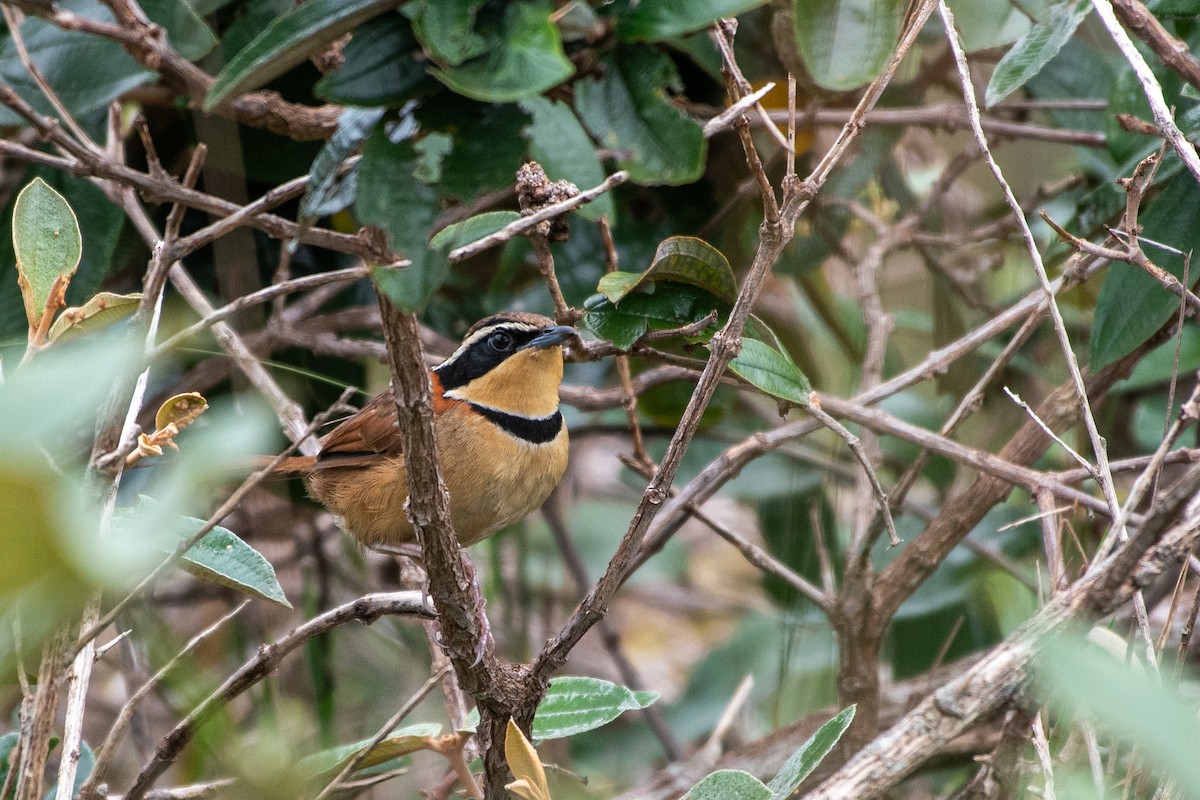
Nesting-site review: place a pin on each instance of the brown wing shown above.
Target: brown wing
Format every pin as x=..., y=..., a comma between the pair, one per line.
x=373, y=432
x=362, y=439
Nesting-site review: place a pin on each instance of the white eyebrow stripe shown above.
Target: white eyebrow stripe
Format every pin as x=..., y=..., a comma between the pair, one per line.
x=483, y=333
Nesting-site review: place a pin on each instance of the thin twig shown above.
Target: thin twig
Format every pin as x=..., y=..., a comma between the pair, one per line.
x=382, y=733
x=520, y=226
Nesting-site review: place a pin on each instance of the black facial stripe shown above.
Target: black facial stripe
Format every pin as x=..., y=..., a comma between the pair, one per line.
x=534, y=431
x=479, y=358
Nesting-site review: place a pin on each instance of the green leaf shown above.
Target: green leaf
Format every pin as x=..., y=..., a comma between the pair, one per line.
x=810, y=754
x=288, y=41
x=223, y=558
x=390, y=197
x=87, y=762
x=846, y=43
x=447, y=29
x=680, y=259
x=220, y=556
x=472, y=229
x=68, y=60
x=7, y=743
x=400, y=742
x=1132, y=305
x=47, y=244
x=574, y=705
x=669, y=306
x=559, y=143
x=527, y=60
x=380, y=66
x=627, y=111
x=188, y=34
x=101, y=224
x=985, y=23
x=729, y=784
x=653, y=22
x=99, y=312
x=772, y=371
x=327, y=193
x=1035, y=49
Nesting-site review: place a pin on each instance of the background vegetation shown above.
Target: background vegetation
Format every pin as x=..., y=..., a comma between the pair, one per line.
x=967, y=225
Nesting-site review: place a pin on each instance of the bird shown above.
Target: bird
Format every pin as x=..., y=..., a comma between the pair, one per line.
x=502, y=441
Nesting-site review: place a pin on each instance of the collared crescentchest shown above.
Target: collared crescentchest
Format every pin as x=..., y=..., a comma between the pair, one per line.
x=501, y=439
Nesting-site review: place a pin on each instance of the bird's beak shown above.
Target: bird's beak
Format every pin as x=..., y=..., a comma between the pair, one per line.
x=552, y=336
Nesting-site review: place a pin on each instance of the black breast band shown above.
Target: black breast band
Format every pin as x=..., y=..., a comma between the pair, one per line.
x=535, y=431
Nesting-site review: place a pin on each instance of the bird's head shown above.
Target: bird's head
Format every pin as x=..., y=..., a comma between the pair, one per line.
x=511, y=362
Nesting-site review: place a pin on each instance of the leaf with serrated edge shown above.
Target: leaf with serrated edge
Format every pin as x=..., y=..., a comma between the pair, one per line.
x=526, y=767
x=729, y=784
x=810, y=754
x=102, y=310
x=48, y=245
x=573, y=705
x=288, y=41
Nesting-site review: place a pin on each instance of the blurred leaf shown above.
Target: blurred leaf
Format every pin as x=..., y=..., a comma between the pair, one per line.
x=627, y=110
x=400, y=742
x=1158, y=366
x=289, y=41
x=1074, y=675
x=188, y=34
x=573, y=705
x=1173, y=8
x=101, y=311
x=846, y=43
x=526, y=767
x=390, y=197
x=559, y=143
x=669, y=306
x=679, y=259
x=729, y=784
x=527, y=59
x=380, y=67
x=1035, y=49
x=7, y=743
x=786, y=521
x=181, y=410
x=47, y=244
x=652, y=22
x=1132, y=305
x=327, y=192
x=68, y=60
x=87, y=762
x=472, y=229
x=984, y=23
x=771, y=370
x=810, y=754
x=447, y=29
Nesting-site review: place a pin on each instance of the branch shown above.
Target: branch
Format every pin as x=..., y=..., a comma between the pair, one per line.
x=1002, y=678
x=365, y=609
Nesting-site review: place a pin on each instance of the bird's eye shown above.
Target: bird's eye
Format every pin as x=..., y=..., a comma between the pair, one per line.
x=500, y=341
